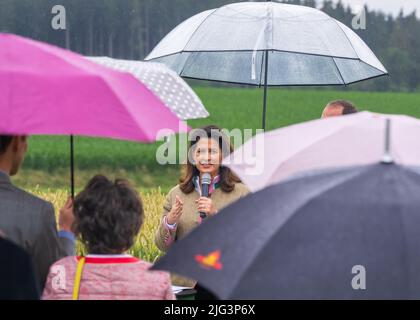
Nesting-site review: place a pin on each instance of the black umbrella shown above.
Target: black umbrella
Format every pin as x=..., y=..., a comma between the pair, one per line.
x=342, y=234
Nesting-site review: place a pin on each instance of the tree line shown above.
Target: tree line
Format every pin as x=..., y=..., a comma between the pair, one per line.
x=130, y=29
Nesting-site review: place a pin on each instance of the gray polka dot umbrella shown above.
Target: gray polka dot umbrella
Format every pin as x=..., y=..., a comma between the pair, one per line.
x=165, y=83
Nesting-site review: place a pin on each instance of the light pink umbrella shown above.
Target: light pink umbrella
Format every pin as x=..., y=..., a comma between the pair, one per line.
x=326, y=143
x=48, y=90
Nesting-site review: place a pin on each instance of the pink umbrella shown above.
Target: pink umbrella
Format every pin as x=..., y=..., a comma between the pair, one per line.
x=326, y=143
x=49, y=90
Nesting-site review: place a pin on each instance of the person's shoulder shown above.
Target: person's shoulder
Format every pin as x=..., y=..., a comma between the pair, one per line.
x=145, y=267
x=30, y=199
x=241, y=188
x=68, y=260
x=157, y=274
x=145, y=264
x=176, y=191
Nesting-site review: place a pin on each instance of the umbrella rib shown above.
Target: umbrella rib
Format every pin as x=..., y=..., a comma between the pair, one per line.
x=145, y=133
x=282, y=85
x=261, y=73
x=373, y=77
x=351, y=44
x=252, y=50
x=198, y=27
x=189, y=40
x=185, y=63
x=339, y=72
x=383, y=73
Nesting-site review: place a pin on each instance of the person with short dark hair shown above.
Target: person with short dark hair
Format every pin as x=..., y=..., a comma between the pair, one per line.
x=27, y=220
x=338, y=108
x=108, y=217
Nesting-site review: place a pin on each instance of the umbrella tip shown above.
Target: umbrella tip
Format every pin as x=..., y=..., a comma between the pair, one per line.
x=387, y=159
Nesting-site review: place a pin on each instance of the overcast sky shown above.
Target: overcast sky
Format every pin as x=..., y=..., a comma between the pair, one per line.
x=387, y=6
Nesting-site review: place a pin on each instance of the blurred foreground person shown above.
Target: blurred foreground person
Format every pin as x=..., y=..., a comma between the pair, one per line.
x=17, y=278
x=108, y=217
x=27, y=220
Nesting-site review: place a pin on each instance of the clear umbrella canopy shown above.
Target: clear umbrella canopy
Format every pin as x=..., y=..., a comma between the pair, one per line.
x=305, y=47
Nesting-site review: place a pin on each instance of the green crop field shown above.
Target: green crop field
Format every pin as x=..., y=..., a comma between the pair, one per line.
x=46, y=168
x=47, y=162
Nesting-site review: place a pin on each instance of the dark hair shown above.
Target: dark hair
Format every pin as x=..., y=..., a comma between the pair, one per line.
x=5, y=141
x=108, y=215
x=348, y=107
x=227, y=177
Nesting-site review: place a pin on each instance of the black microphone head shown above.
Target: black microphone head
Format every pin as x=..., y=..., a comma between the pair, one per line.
x=206, y=178
x=205, y=185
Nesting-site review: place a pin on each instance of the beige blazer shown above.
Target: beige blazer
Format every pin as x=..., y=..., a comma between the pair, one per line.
x=190, y=218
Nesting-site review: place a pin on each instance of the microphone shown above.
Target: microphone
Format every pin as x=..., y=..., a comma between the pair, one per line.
x=205, y=185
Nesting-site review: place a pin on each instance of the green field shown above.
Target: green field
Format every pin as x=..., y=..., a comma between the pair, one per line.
x=46, y=169
x=47, y=162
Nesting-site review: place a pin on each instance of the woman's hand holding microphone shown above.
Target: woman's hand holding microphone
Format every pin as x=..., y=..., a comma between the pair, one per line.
x=206, y=205
x=203, y=205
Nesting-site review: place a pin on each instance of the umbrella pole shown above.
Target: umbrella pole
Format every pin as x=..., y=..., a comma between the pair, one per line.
x=265, y=89
x=72, y=166
x=67, y=40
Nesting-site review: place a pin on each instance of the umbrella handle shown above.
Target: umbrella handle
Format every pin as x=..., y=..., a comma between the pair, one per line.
x=265, y=90
x=387, y=158
x=72, y=166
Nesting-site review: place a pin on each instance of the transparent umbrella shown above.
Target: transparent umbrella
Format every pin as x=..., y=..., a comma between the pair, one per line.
x=267, y=44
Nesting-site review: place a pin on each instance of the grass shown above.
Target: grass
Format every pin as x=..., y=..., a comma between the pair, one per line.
x=144, y=246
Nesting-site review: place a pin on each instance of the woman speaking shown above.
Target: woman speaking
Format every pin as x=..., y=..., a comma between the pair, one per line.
x=185, y=207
